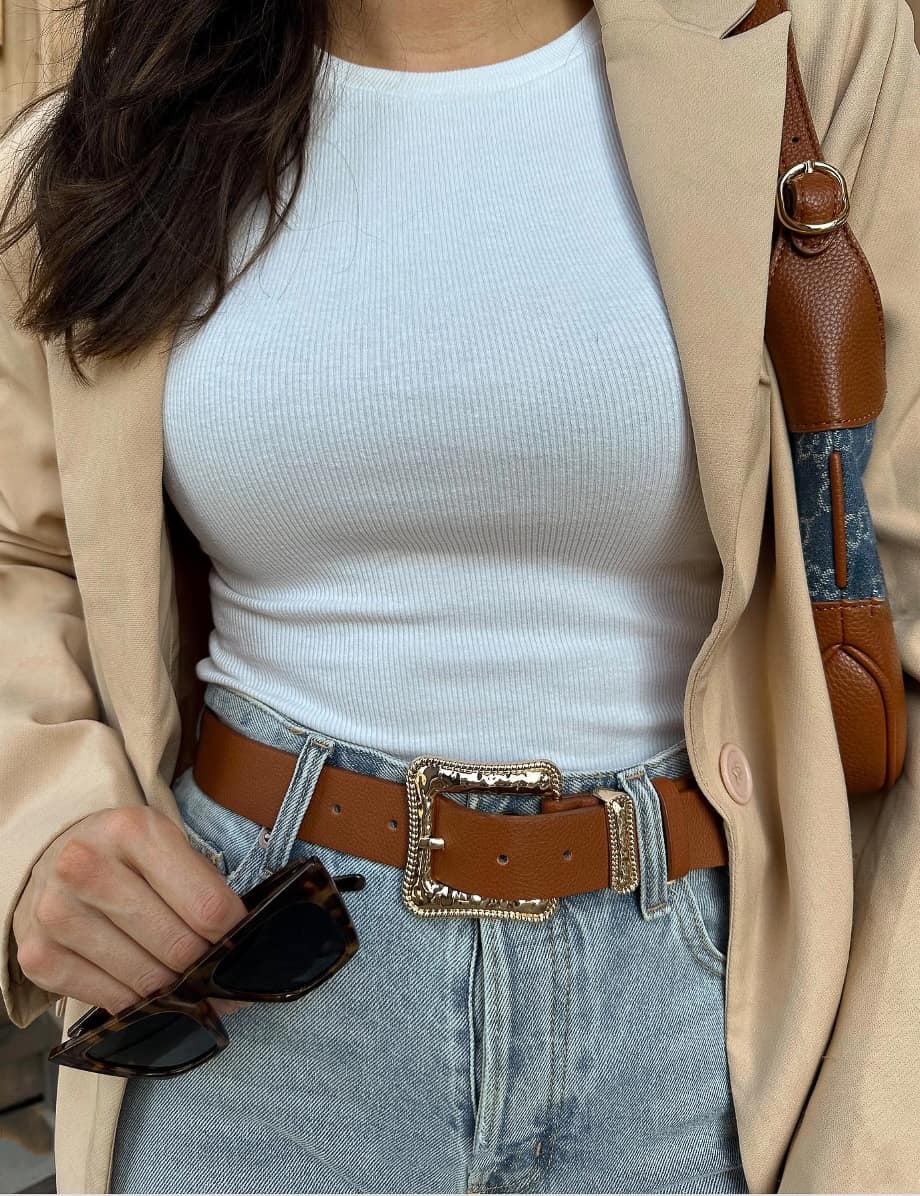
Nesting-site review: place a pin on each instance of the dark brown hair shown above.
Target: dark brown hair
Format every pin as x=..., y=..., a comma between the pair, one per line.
x=174, y=117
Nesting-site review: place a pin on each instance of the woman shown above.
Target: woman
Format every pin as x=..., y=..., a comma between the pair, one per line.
x=456, y=508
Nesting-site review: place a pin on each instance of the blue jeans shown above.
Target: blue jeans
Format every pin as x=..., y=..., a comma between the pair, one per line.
x=585, y=1053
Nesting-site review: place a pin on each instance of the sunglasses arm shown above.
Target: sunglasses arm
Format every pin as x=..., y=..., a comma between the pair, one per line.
x=353, y=882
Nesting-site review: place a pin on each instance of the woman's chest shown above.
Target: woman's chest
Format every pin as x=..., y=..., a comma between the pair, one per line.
x=512, y=395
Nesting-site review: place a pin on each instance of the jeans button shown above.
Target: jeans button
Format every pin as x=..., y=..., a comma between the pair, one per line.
x=735, y=771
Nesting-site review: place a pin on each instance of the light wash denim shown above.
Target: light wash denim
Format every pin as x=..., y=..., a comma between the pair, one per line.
x=585, y=1053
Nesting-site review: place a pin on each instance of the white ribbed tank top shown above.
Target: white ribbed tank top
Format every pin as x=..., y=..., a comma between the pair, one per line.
x=436, y=442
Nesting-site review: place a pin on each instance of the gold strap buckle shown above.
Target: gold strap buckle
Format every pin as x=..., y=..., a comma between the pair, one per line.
x=431, y=776
x=809, y=166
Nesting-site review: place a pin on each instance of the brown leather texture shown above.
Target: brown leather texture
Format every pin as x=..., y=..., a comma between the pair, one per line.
x=865, y=680
x=825, y=333
x=558, y=852
x=689, y=831
x=838, y=518
x=824, y=328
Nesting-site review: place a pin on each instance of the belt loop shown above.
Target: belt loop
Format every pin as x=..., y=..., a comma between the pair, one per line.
x=283, y=834
x=653, y=864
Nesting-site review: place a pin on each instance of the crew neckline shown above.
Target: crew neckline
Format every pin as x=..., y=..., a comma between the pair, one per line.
x=493, y=76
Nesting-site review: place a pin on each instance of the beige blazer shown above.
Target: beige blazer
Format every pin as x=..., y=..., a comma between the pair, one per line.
x=97, y=693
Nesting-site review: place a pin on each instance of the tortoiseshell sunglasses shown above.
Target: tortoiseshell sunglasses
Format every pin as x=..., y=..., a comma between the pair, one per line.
x=296, y=935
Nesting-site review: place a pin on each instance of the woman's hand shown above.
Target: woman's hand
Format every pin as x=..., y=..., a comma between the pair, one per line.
x=117, y=906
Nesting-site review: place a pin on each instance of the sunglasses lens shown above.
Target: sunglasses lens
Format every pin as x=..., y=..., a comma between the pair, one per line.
x=157, y=1040
x=289, y=949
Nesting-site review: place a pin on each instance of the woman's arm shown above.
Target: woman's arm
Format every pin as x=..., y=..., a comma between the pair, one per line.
x=859, y=1128
x=58, y=762
x=117, y=905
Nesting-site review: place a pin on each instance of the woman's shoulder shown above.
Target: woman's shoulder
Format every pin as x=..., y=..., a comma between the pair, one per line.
x=846, y=37
x=853, y=15
x=848, y=51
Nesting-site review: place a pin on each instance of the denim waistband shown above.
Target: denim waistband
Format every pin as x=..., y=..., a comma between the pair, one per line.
x=261, y=722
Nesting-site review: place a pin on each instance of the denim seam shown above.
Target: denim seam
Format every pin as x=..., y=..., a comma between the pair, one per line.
x=237, y=878
x=203, y=847
x=520, y=1180
x=557, y=1020
x=534, y=1168
x=694, y=933
x=567, y=1038
x=486, y=1113
x=559, y=1052
x=294, y=728
x=471, y=1020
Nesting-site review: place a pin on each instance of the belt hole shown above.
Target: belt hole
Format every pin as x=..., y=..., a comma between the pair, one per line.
x=567, y=854
x=503, y=859
x=393, y=824
x=337, y=809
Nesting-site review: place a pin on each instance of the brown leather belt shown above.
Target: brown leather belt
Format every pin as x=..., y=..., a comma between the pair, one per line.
x=574, y=845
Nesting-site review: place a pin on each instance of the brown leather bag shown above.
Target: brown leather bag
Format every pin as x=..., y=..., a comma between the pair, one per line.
x=825, y=335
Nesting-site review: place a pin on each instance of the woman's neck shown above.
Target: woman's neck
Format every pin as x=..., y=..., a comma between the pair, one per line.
x=445, y=35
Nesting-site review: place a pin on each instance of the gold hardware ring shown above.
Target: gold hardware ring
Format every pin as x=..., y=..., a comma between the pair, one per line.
x=809, y=166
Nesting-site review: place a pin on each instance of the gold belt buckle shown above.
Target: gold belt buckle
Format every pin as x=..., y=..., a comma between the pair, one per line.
x=431, y=776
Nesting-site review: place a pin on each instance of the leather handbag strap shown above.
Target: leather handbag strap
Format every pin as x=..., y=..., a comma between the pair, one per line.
x=825, y=333
x=561, y=851
x=824, y=326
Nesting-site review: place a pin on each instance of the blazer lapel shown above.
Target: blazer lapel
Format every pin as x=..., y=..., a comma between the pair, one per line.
x=700, y=119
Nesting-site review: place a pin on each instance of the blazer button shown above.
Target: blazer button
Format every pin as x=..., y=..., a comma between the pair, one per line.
x=736, y=772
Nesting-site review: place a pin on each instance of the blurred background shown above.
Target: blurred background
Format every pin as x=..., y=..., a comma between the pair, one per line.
x=36, y=42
